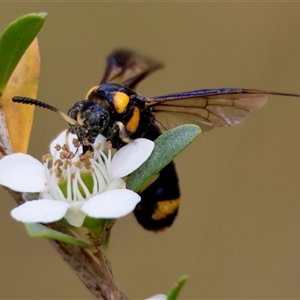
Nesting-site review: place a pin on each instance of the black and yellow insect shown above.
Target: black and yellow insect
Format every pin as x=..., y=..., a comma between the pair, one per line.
x=114, y=109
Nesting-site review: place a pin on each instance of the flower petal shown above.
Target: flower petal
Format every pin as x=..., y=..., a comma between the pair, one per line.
x=117, y=183
x=130, y=157
x=158, y=297
x=111, y=204
x=75, y=216
x=40, y=211
x=22, y=173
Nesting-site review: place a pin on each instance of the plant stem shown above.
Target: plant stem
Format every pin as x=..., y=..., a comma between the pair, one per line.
x=6, y=147
x=93, y=269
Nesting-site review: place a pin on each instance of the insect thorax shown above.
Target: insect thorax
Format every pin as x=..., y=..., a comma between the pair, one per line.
x=113, y=111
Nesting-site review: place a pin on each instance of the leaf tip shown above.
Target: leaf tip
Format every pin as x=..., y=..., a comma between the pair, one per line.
x=42, y=15
x=173, y=295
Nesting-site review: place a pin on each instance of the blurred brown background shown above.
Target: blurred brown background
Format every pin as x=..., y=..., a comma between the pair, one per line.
x=237, y=234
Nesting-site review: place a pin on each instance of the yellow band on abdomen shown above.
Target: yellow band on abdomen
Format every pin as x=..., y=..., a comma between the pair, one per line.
x=165, y=208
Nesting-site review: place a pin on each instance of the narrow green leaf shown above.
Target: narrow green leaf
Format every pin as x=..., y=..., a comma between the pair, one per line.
x=38, y=230
x=14, y=41
x=167, y=146
x=177, y=288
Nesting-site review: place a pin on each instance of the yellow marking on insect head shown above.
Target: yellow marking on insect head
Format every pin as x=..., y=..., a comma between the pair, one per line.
x=91, y=91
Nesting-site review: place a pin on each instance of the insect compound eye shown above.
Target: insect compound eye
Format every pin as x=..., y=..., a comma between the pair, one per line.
x=92, y=119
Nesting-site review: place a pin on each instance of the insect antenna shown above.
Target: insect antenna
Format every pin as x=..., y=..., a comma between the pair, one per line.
x=30, y=101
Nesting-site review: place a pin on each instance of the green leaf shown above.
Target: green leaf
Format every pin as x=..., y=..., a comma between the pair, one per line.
x=14, y=41
x=177, y=288
x=38, y=230
x=167, y=146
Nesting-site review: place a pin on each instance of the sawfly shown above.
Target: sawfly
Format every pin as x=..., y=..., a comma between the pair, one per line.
x=114, y=109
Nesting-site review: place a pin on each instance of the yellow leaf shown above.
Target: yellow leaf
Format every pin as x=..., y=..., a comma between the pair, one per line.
x=23, y=82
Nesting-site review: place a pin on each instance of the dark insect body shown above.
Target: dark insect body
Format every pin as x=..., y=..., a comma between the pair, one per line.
x=115, y=110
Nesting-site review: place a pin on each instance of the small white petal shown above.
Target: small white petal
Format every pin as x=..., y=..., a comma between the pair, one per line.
x=130, y=157
x=40, y=211
x=111, y=204
x=61, y=140
x=117, y=183
x=22, y=173
x=75, y=216
x=158, y=297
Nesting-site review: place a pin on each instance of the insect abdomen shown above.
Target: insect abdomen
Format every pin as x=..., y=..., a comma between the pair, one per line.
x=160, y=201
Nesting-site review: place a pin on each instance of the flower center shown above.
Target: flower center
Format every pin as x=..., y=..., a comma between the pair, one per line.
x=77, y=177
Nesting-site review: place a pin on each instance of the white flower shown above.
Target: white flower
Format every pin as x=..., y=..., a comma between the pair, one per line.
x=74, y=186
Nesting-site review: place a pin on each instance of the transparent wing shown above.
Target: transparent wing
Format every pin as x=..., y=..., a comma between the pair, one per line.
x=128, y=68
x=208, y=108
